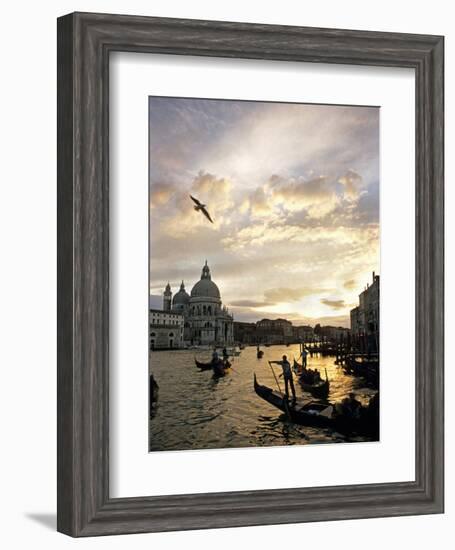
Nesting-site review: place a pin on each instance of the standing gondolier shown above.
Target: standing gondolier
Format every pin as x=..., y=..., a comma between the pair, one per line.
x=287, y=374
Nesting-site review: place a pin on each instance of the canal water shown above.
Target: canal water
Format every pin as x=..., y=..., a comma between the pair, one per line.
x=197, y=411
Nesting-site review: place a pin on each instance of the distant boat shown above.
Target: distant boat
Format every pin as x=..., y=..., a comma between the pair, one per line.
x=233, y=352
x=259, y=353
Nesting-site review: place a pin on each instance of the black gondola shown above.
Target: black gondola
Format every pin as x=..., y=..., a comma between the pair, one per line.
x=307, y=414
x=219, y=369
x=153, y=395
x=320, y=389
x=260, y=354
x=203, y=366
x=322, y=415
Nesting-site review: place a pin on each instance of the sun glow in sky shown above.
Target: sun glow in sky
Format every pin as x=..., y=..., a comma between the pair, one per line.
x=293, y=190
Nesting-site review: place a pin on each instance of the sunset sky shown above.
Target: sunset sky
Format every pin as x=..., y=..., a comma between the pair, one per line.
x=293, y=190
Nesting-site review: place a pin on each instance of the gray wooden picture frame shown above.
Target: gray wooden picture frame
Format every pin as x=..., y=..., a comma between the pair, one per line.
x=85, y=41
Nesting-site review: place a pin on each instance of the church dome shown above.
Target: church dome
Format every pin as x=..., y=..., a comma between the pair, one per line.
x=205, y=288
x=181, y=297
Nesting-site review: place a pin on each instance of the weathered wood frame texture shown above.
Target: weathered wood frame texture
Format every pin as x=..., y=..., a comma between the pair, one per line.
x=84, y=43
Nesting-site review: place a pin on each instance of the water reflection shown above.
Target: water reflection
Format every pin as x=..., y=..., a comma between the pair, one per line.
x=198, y=411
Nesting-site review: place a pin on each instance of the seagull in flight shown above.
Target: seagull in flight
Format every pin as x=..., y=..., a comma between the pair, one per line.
x=202, y=208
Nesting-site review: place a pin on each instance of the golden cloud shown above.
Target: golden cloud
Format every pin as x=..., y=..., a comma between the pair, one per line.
x=160, y=194
x=284, y=294
x=182, y=219
x=351, y=182
x=351, y=284
x=317, y=196
x=334, y=304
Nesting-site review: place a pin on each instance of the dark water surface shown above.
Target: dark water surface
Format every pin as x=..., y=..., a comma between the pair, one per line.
x=197, y=411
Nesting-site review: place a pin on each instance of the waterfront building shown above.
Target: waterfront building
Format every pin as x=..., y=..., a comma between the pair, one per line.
x=333, y=334
x=365, y=317
x=274, y=331
x=245, y=333
x=166, y=329
x=205, y=319
x=355, y=321
x=303, y=333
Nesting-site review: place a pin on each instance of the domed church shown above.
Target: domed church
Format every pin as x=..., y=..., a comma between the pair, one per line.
x=206, y=320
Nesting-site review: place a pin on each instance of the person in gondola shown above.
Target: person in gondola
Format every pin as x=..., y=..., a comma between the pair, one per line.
x=304, y=355
x=215, y=358
x=288, y=379
x=351, y=406
x=226, y=362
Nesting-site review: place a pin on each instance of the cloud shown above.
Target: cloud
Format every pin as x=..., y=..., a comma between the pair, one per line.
x=250, y=303
x=334, y=304
x=177, y=218
x=258, y=203
x=351, y=284
x=293, y=191
x=290, y=294
x=160, y=194
x=352, y=182
x=211, y=186
x=260, y=234
x=317, y=196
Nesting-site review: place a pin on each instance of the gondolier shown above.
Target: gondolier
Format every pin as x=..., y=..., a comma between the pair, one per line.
x=287, y=374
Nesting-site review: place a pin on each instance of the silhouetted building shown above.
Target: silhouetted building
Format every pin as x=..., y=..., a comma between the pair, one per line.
x=333, y=334
x=245, y=333
x=365, y=317
x=303, y=333
x=274, y=331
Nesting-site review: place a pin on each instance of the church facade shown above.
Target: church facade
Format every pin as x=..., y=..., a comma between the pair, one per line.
x=206, y=320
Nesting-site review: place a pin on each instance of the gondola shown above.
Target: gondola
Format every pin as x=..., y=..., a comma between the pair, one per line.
x=260, y=354
x=321, y=415
x=319, y=390
x=153, y=395
x=305, y=375
x=307, y=414
x=219, y=369
x=298, y=368
x=368, y=369
x=203, y=366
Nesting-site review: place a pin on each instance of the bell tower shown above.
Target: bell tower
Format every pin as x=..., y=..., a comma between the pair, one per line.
x=167, y=298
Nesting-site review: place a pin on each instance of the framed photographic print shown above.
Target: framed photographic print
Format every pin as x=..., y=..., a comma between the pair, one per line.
x=250, y=253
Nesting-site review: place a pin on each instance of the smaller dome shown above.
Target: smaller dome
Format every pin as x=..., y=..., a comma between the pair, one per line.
x=181, y=297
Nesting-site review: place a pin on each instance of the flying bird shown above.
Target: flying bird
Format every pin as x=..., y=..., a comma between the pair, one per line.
x=202, y=208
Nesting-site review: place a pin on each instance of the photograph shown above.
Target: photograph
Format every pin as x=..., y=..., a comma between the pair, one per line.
x=264, y=255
